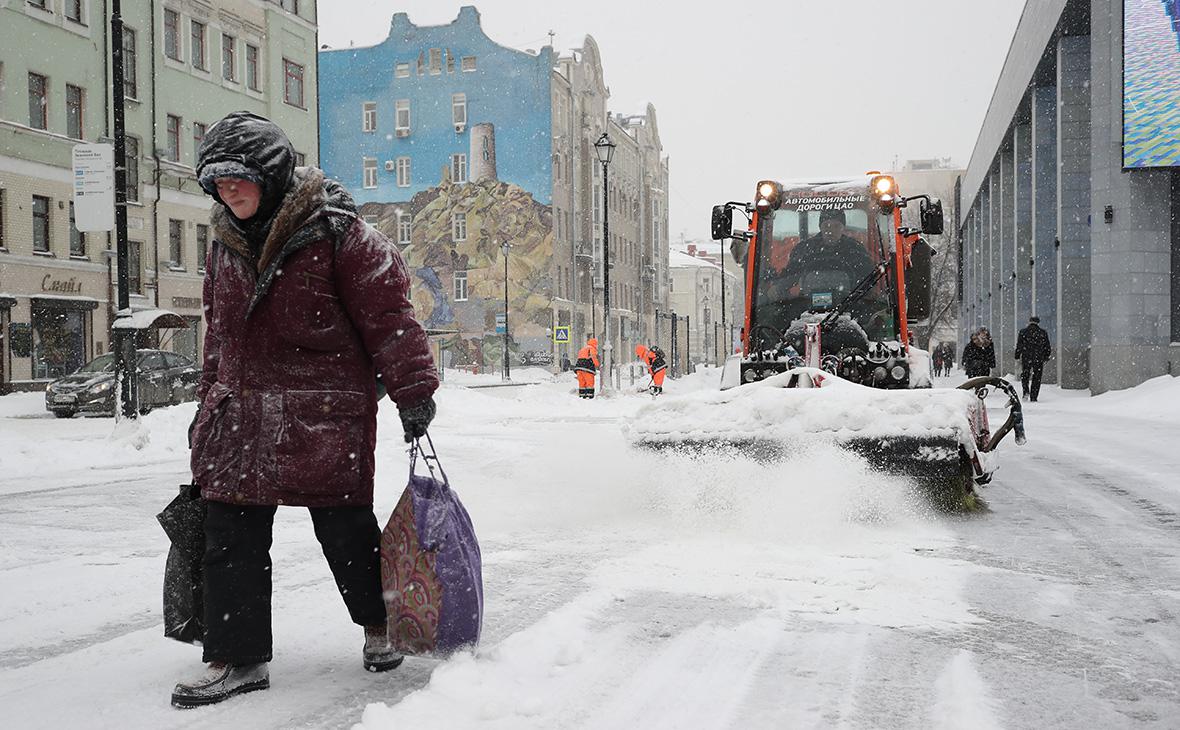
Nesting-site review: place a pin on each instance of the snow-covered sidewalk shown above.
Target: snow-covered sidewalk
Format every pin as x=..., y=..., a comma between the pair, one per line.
x=632, y=589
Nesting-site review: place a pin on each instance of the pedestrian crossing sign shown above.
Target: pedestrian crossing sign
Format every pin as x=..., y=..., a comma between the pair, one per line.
x=561, y=335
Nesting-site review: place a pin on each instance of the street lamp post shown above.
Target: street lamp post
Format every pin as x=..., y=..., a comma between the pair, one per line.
x=605, y=150
x=507, y=372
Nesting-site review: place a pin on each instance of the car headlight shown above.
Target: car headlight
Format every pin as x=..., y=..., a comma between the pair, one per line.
x=100, y=388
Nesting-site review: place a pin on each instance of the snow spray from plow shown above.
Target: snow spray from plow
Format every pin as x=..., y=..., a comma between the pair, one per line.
x=940, y=438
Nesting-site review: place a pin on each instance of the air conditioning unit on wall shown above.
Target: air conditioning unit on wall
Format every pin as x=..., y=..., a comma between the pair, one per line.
x=389, y=165
x=403, y=132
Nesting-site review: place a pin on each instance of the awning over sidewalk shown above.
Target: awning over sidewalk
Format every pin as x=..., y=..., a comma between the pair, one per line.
x=146, y=319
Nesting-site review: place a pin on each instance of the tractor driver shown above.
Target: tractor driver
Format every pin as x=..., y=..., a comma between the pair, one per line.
x=816, y=259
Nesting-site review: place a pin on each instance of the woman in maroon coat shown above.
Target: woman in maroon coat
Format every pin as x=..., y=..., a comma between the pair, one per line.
x=306, y=309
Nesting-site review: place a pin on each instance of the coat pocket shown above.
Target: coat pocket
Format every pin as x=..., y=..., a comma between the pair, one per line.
x=321, y=446
x=215, y=458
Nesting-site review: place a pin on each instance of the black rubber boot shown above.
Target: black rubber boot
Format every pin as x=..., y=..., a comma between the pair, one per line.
x=379, y=655
x=219, y=683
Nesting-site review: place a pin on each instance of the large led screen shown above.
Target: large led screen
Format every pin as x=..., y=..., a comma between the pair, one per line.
x=1151, y=83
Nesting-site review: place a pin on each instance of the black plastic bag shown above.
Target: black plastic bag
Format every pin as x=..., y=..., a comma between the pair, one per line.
x=183, y=521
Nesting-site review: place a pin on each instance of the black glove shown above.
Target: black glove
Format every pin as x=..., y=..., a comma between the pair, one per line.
x=416, y=418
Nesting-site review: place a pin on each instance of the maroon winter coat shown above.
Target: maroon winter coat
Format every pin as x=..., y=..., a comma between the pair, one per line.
x=293, y=346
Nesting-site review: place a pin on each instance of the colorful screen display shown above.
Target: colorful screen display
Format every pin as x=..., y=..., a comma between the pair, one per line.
x=1151, y=83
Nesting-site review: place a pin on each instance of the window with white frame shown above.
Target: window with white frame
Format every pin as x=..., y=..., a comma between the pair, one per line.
x=172, y=151
x=370, y=172
x=202, y=245
x=435, y=61
x=369, y=116
x=293, y=83
x=38, y=101
x=252, y=80
x=371, y=220
x=402, y=70
x=460, y=278
x=459, y=227
x=402, y=107
x=459, y=110
x=175, y=244
x=73, y=11
x=130, y=85
x=403, y=172
x=467, y=63
x=197, y=46
x=172, y=34
x=229, y=57
x=405, y=228
x=459, y=168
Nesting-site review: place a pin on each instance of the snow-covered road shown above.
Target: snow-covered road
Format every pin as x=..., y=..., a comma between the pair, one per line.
x=629, y=589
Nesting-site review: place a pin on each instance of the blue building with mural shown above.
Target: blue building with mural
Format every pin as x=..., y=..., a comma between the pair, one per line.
x=453, y=145
x=418, y=94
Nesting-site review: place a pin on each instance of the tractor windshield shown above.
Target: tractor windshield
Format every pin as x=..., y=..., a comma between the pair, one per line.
x=812, y=253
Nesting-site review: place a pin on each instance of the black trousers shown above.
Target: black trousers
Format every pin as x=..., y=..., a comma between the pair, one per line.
x=238, y=574
x=1030, y=377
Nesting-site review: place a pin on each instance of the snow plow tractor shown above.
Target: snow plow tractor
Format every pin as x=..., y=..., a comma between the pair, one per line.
x=833, y=282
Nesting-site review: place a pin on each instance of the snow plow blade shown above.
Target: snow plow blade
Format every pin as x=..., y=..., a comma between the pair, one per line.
x=928, y=435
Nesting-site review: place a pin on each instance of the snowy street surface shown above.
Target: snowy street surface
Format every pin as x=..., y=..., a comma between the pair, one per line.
x=630, y=589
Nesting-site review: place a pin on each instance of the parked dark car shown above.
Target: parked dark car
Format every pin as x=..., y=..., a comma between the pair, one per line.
x=165, y=379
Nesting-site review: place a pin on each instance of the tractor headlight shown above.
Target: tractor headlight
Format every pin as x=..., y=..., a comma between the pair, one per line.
x=898, y=372
x=884, y=190
x=769, y=195
x=879, y=374
x=749, y=375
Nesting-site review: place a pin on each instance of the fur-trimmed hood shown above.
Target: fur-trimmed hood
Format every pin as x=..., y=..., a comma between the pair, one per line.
x=313, y=208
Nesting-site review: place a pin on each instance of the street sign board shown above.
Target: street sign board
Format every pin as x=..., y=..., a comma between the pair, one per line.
x=501, y=323
x=94, y=187
x=561, y=335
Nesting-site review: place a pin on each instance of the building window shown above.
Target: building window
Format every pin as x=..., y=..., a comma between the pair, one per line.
x=402, y=126
x=459, y=110
x=131, y=151
x=77, y=238
x=172, y=34
x=252, y=68
x=450, y=62
x=405, y=228
x=421, y=63
x=173, y=150
x=41, y=223
x=38, y=101
x=435, y=61
x=300, y=159
x=73, y=10
x=130, y=86
x=403, y=172
x=467, y=63
x=402, y=70
x=459, y=227
x=2, y=246
x=370, y=172
x=176, y=244
x=293, y=87
x=135, y=267
x=198, y=137
x=459, y=168
x=229, y=60
x=75, y=103
x=197, y=51
x=369, y=116
x=202, y=245
x=460, y=286
x=291, y=6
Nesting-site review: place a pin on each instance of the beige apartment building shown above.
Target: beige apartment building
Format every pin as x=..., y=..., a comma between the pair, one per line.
x=188, y=63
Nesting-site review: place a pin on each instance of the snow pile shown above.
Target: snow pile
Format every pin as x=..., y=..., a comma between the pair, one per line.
x=768, y=410
x=1155, y=399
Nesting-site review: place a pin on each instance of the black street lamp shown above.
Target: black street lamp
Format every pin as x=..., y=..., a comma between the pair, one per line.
x=605, y=149
x=507, y=373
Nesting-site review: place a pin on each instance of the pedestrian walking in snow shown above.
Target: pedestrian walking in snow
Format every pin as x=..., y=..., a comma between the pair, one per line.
x=979, y=356
x=1032, y=350
x=306, y=308
x=936, y=360
x=586, y=367
x=948, y=357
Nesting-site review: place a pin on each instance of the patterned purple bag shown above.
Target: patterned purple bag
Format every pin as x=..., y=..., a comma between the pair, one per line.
x=431, y=573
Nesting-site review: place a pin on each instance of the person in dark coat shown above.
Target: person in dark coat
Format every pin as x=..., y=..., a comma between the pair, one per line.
x=948, y=357
x=1032, y=350
x=306, y=309
x=827, y=251
x=979, y=355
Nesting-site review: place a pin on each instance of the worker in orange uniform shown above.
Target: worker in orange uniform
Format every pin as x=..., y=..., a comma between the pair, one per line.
x=653, y=357
x=586, y=366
